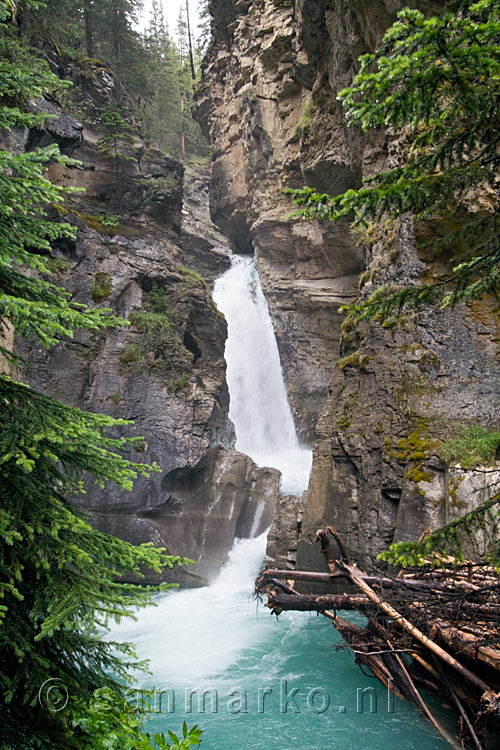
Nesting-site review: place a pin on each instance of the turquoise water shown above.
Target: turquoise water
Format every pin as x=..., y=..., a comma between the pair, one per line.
x=219, y=639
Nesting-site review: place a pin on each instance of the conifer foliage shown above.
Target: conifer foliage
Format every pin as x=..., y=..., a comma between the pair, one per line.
x=152, y=70
x=439, y=79
x=436, y=82
x=60, y=578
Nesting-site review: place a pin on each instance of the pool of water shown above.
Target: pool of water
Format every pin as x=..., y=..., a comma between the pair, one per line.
x=220, y=660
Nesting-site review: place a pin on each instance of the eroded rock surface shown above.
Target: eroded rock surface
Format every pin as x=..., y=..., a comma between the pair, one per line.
x=269, y=104
x=138, y=250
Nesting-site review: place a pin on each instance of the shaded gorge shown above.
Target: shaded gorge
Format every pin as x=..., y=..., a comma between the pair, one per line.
x=217, y=657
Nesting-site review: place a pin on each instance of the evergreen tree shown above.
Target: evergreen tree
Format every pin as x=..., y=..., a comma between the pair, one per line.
x=116, y=142
x=60, y=578
x=438, y=79
x=181, y=33
x=190, y=43
x=162, y=111
x=204, y=28
x=89, y=27
x=153, y=74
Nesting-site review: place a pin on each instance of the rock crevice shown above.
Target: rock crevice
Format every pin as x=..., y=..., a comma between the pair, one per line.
x=377, y=402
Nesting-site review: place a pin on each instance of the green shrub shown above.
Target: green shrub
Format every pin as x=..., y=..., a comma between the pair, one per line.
x=161, y=347
x=474, y=445
x=131, y=353
x=180, y=385
x=101, y=288
x=57, y=267
x=191, y=275
x=111, y=221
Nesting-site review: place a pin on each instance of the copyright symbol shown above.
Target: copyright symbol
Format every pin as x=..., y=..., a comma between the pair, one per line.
x=53, y=695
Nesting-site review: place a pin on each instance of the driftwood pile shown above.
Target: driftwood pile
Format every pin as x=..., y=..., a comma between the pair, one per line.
x=447, y=620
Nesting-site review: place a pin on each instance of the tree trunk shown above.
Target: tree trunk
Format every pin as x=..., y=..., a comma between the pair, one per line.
x=190, y=42
x=87, y=15
x=117, y=41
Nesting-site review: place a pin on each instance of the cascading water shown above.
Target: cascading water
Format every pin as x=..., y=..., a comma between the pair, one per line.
x=267, y=684
x=259, y=406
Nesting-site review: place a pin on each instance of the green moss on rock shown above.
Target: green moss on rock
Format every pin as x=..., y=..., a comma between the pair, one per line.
x=101, y=288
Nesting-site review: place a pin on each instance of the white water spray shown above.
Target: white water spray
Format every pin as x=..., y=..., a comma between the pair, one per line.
x=259, y=406
x=196, y=634
x=214, y=637
x=212, y=632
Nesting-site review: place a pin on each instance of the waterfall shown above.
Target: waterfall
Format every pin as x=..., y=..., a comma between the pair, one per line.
x=193, y=636
x=259, y=407
x=214, y=640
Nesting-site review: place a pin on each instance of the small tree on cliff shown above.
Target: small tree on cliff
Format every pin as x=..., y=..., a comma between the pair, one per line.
x=116, y=142
x=60, y=578
x=439, y=80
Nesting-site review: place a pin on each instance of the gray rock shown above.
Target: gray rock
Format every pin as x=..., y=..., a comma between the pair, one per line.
x=269, y=104
x=205, y=493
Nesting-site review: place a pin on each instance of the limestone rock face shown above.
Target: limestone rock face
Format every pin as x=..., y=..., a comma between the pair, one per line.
x=199, y=512
x=284, y=534
x=269, y=105
x=205, y=246
x=136, y=238
x=225, y=493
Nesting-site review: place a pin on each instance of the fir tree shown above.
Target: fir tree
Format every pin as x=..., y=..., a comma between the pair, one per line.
x=438, y=79
x=190, y=43
x=60, y=578
x=162, y=111
x=116, y=141
x=204, y=28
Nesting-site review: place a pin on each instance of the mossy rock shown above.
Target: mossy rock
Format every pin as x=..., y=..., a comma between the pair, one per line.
x=161, y=348
x=343, y=422
x=101, y=288
x=191, y=276
x=57, y=267
x=356, y=359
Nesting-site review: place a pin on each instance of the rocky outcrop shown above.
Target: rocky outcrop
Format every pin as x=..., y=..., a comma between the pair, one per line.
x=226, y=495
x=205, y=246
x=398, y=394
x=135, y=251
x=198, y=511
x=284, y=534
x=269, y=104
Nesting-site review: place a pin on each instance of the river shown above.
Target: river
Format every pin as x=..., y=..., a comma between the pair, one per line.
x=217, y=657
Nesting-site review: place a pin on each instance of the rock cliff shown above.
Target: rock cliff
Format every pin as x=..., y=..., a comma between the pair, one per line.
x=143, y=234
x=268, y=102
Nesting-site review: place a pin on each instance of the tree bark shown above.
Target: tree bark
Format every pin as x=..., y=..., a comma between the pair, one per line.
x=190, y=43
x=87, y=15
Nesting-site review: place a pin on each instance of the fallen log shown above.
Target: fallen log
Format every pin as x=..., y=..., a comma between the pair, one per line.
x=458, y=704
x=310, y=603
x=418, y=700
x=466, y=644
x=357, y=578
x=379, y=581
x=322, y=537
x=459, y=608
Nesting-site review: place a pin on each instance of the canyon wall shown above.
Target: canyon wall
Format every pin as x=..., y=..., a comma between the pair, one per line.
x=145, y=248
x=376, y=401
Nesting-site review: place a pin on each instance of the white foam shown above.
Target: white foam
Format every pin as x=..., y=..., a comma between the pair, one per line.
x=259, y=406
x=196, y=634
